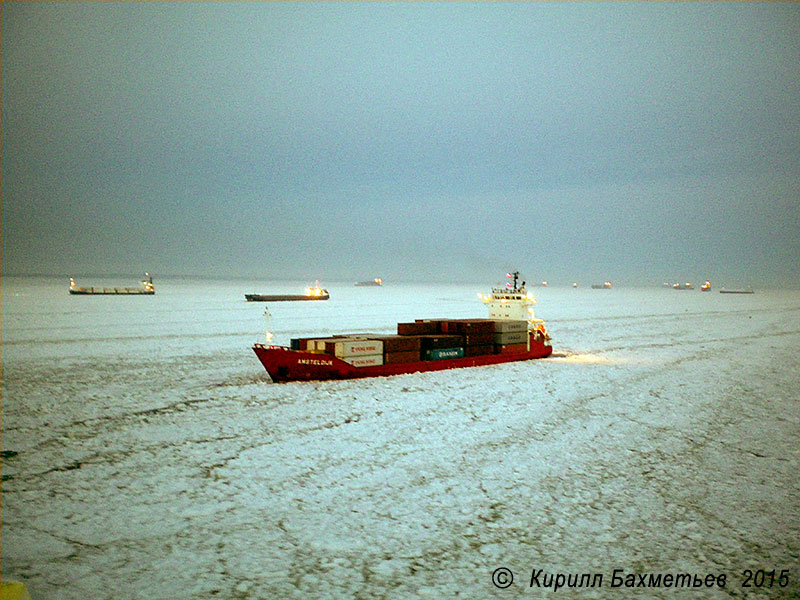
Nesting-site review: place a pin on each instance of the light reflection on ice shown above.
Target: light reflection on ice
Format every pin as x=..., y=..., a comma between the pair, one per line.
x=587, y=359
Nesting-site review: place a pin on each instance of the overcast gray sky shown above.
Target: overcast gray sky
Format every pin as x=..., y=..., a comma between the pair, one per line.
x=575, y=142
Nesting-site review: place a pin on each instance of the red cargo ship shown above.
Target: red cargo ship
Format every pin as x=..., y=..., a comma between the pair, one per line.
x=511, y=333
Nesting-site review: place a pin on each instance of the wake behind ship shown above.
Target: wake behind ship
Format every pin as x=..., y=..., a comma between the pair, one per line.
x=510, y=333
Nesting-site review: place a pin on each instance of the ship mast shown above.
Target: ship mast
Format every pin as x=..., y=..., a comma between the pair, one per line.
x=268, y=334
x=512, y=302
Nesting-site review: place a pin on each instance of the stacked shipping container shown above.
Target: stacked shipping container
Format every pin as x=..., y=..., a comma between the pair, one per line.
x=423, y=339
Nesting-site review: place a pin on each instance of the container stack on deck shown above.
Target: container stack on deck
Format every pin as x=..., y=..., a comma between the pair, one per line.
x=423, y=339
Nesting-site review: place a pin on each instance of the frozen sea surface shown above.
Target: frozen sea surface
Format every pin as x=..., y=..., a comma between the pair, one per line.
x=147, y=455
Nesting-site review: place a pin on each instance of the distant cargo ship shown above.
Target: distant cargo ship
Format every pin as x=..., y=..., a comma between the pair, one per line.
x=743, y=291
x=147, y=289
x=602, y=286
x=376, y=281
x=683, y=286
x=311, y=293
x=511, y=333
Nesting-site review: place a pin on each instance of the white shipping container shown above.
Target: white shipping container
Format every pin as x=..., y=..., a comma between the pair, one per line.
x=511, y=337
x=318, y=345
x=347, y=348
x=368, y=360
x=321, y=344
x=504, y=326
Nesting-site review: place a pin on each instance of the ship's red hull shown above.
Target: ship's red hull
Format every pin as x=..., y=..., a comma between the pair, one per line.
x=284, y=364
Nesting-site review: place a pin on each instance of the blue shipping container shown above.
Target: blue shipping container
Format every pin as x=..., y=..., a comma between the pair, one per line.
x=444, y=353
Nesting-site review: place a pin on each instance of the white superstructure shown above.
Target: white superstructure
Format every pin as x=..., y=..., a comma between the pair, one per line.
x=513, y=303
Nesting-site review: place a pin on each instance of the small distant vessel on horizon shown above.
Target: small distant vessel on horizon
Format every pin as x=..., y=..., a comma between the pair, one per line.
x=311, y=293
x=738, y=291
x=602, y=286
x=373, y=282
x=706, y=287
x=147, y=289
x=683, y=286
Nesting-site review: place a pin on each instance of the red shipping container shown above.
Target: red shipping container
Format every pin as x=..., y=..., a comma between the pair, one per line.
x=401, y=357
x=479, y=338
x=417, y=328
x=465, y=326
x=428, y=342
x=479, y=350
x=398, y=343
x=301, y=344
x=439, y=323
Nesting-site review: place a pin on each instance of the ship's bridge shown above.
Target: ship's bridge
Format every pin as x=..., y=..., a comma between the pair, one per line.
x=513, y=303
